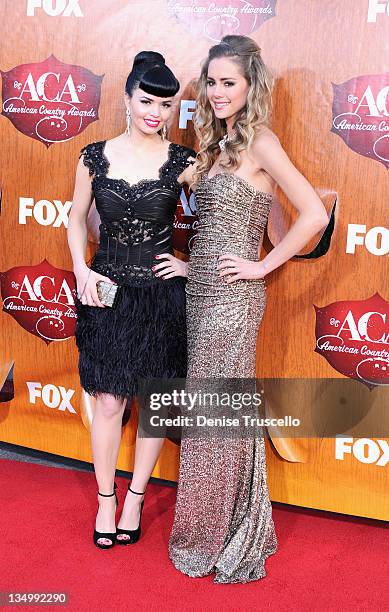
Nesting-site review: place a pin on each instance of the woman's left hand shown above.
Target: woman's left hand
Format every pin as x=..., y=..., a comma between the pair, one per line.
x=239, y=268
x=172, y=266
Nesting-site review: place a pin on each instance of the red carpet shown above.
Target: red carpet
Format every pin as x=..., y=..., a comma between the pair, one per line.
x=325, y=562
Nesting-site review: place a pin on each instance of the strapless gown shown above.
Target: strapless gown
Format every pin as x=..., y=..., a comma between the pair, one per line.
x=223, y=518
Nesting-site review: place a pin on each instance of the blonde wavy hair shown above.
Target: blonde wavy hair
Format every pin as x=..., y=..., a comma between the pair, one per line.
x=209, y=129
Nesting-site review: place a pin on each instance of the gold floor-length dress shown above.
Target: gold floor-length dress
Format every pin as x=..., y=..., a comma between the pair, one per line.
x=223, y=518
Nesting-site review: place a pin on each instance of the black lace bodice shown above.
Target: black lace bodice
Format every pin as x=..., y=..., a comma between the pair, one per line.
x=136, y=220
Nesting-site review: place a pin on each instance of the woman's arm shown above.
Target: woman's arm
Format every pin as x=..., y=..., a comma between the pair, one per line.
x=186, y=177
x=170, y=265
x=312, y=213
x=77, y=235
x=271, y=157
x=77, y=232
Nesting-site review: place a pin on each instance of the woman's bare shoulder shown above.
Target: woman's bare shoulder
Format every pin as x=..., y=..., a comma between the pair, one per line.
x=264, y=137
x=266, y=145
x=114, y=143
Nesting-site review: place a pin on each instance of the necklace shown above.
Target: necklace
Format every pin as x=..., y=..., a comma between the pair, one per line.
x=226, y=138
x=222, y=143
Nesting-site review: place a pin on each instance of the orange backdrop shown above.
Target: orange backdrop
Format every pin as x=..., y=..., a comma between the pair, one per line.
x=64, y=64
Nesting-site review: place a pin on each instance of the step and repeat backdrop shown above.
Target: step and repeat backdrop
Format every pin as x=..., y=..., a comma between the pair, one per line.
x=323, y=346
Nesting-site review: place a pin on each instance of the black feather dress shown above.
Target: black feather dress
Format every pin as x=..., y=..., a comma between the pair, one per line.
x=144, y=334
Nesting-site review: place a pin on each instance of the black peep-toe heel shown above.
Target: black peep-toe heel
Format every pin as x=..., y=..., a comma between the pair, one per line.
x=133, y=534
x=109, y=536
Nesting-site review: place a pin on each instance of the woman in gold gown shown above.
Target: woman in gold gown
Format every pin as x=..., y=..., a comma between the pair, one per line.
x=223, y=520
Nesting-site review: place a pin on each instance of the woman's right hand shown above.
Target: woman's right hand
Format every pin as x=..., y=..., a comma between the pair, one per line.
x=86, y=286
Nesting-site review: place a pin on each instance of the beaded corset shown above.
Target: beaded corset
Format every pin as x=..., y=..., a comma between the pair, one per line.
x=136, y=220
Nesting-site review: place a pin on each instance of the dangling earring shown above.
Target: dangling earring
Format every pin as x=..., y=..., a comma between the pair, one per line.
x=164, y=132
x=128, y=121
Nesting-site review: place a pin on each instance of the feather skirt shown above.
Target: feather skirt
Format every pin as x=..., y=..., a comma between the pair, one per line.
x=142, y=336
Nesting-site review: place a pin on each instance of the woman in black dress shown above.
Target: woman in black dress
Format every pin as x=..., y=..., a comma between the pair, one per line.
x=135, y=181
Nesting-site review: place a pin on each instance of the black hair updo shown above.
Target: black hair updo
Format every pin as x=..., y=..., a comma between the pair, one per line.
x=151, y=74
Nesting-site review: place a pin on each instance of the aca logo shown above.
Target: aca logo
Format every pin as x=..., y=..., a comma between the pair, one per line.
x=66, y=8
x=51, y=396
x=361, y=115
x=41, y=299
x=365, y=450
x=185, y=222
x=51, y=101
x=44, y=212
x=219, y=18
x=375, y=240
x=376, y=7
x=353, y=335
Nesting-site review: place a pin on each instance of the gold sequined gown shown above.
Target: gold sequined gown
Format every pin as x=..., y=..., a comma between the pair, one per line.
x=223, y=518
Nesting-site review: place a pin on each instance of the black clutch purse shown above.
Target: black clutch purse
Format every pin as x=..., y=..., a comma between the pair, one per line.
x=107, y=293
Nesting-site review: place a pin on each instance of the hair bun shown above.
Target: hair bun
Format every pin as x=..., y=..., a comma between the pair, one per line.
x=150, y=73
x=148, y=57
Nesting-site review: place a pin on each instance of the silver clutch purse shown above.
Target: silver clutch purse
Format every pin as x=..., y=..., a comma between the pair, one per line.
x=107, y=293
